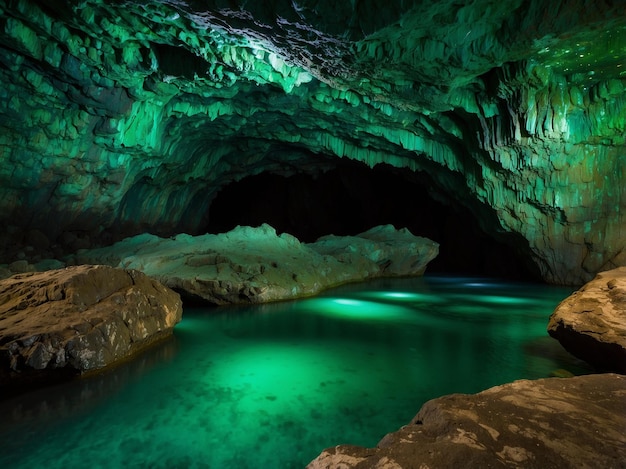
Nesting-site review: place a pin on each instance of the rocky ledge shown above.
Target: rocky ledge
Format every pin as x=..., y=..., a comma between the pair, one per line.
x=551, y=423
x=79, y=319
x=255, y=265
x=591, y=323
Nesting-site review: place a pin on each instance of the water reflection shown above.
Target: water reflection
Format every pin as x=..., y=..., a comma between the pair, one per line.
x=79, y=396
x=273, y=385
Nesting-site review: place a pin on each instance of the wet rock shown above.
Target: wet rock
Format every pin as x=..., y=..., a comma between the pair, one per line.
x=550, y=423
x=255, y=265
x=380, y=245
x=591, y=323
x=77, y=320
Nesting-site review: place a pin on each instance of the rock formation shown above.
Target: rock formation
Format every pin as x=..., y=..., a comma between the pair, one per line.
x=126, y=117
x=591, y=323
x=79, y=319
x=551, y=423
x=255, y=265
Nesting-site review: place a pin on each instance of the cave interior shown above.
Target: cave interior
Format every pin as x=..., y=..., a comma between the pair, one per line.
x=494, y=128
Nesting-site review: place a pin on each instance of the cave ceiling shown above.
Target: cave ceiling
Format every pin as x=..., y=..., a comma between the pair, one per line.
x=131, y=115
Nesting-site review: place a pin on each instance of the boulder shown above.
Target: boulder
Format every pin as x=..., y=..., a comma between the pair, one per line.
x=591, y=323
x=255, y=265
x=395, y=252
x=78, y=319
x=548, y=423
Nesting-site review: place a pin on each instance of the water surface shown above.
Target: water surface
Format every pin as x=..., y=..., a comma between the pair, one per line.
x=272, y=386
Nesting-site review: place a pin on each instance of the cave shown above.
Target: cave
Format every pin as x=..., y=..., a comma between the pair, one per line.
x=426, y=181
x=125, y=118
x=351, y=198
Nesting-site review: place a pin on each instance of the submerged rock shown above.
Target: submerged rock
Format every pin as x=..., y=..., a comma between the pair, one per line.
x=591, y=323
x=79, y=319
x=255, y=265
x=547, y=423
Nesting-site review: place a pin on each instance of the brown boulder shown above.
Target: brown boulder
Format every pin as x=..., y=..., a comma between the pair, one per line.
x=551, y=423
x=591, y=323
x=79, y=319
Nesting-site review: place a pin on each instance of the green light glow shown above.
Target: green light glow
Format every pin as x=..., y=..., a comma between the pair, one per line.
x=271, y=386
x=165, y=105
x=258, y=371
x=502, y=299
x=399, y=295
x=586, y=57
x=355, y=309
x=495, y=299
x=343, y=301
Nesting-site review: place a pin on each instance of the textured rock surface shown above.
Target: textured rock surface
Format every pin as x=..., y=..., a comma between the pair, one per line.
x=551, y=423
x=255, y=265
x=79, y=319
x=591, y=323
x=122, y=117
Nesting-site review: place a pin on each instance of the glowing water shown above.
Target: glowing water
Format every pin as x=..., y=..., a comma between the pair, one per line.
x=271, y=386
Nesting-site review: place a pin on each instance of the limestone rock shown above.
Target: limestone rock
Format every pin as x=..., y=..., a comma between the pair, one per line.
x=380, y=246
x=255, y=265
x=127, y=117
x=591, y=323
x=79, y=319
x=551, y=423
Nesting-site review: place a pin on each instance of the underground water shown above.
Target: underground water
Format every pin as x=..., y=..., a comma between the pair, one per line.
x=273, y=385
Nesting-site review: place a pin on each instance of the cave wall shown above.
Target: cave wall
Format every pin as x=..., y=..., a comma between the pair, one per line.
x=119, y=117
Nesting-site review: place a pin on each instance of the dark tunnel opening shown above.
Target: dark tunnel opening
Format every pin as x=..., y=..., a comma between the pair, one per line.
x=352, y=198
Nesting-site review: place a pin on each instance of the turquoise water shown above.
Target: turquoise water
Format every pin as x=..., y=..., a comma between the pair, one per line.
x=272, y=386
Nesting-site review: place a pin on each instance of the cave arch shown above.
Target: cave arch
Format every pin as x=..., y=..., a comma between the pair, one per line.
x=351, y=198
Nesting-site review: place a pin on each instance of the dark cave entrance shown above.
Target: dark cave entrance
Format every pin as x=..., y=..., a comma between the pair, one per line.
x=352, y=198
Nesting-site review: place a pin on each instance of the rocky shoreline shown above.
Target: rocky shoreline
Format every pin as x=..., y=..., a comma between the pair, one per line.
x=57, y=324
x=547, y=423
x=80, y=319
x=117, y=300
x=551, y=423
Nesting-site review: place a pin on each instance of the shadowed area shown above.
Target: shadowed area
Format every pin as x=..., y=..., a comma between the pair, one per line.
x=351, y=197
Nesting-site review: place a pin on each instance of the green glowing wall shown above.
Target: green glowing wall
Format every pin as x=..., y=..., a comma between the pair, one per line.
x=133, y=115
